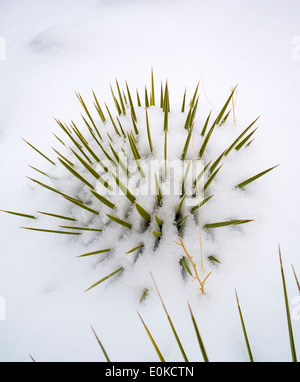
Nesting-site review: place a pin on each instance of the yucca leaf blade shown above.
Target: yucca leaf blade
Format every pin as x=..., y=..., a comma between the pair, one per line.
x=81, y=228
x=103, y=199
x=183, y=102
x=123, y=188
x=19, y=214
x=149, y=133
x=39, y=152
x=245, y=140
x=138, y=98
x=96, y=252
x=253, y=178
x=158, y=190
x=57, y=216
x=187, y=143
x=75, y=173
x=216, y=162
x=192, y=103
x=195, y=208
x=288, y=315
x=51, y=231
x=201, y=344
x=158, y=221
x=205, y=141
x=112, y=121
x=171, y=323
x=105, y=278
x=135, y=249
x=98, y=108
x=121, y=98
x=120, y=221
x=156, y=233
x=131, y=103
x=205, y=125
x=88, y=113
x=244, y=329
x=152, y=340
x=81, y=205
x=115, y=101
x=146, y=98
x=227, y=223
x=211, y=178
x=144, y=214
x=220, y=116
x=101, y=346
x=181, y=222
x=152, y=94
x=236, y=141
x=185, y=263
x=178, y=210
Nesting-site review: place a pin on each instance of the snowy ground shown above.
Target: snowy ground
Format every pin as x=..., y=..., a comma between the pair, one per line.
x=56, y=47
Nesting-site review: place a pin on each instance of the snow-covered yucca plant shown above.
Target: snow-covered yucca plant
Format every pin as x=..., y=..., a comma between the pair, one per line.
x=136, y=180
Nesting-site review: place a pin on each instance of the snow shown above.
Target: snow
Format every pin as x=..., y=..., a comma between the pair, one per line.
x=55, y=48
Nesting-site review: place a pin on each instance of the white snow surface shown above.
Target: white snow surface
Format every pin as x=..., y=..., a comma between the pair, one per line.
x=58, y=47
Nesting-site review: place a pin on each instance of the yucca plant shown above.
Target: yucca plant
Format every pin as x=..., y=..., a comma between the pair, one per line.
x=133, y=175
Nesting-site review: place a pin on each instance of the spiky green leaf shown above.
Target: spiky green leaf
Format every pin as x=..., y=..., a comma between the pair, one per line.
x=19, y=214
x=101, y=346
x=120, y=221
x=103, y=199
x=227, y=223
x=144, y=214
x=105, y=278
x=201, y=344
x=171, y=323
x=135, y=249
x=51, y=231
x=288, y=315
x=244, y=329
x=253, y=178
x=152, y=340
x=220, y=116
x=96, y=252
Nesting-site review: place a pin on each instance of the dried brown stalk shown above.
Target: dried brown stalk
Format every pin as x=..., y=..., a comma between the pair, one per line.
x=196, y=277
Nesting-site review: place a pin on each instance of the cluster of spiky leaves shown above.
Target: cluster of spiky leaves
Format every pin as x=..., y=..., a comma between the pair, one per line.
x=90, y=153
x=197, y=332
